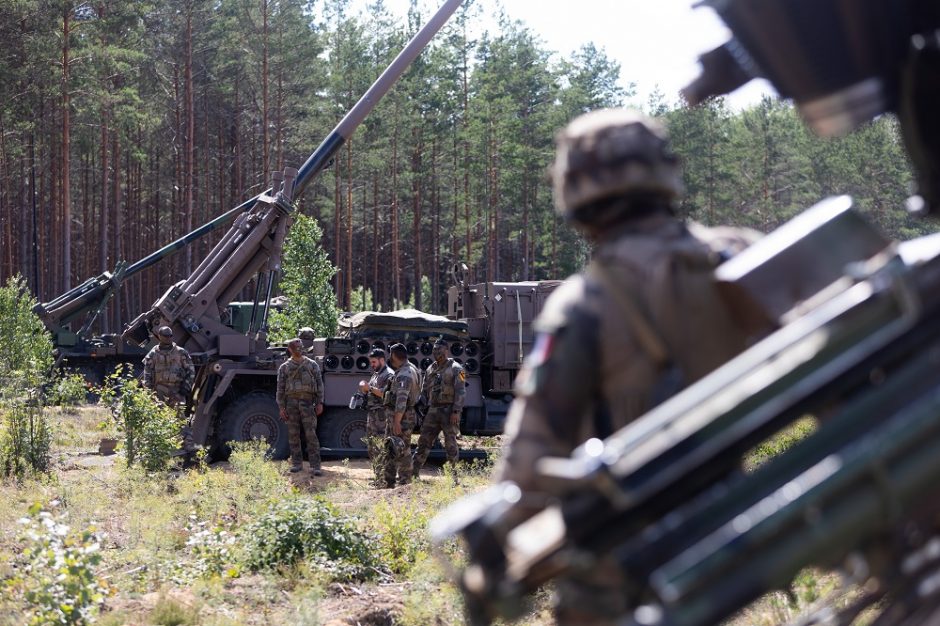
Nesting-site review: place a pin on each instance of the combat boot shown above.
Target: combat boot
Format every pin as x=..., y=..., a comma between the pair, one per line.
x=316, y=471
x=296, y=467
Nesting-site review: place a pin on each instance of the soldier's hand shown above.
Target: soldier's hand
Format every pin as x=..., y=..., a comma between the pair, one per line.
x=319, y=409
x=396, y=427
x=363, y=386
x=455, y=419
x=283, y=415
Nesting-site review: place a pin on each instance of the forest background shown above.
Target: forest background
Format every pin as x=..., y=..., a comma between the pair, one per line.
x=124, y=125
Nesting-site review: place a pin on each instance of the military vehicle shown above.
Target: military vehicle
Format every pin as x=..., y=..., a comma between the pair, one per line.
x=488, y=325
x=489, y=331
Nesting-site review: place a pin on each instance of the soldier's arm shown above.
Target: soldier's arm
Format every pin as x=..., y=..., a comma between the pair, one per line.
x=317, y=382
x=401, y=396
x=148, y=372
x=281, y=388
x=555, y=396
x=460, y=389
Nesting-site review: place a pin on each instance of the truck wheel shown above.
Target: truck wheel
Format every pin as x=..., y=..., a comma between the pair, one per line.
x=343, y=429
x=256, y=416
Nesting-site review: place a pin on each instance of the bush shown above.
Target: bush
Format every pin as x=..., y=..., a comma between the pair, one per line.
x=68, y=390
x=150, y=428
x=297, y=529
x=25, y=344
x=402, y=535
x=25, y=438
x=59, y=579
x=25, y=362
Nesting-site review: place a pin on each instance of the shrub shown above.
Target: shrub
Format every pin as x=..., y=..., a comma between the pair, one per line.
x=212, y=547
x=150, y=428
x=59, y=579
x=25, y=438
x=402, y=537
x=25, y=361
x=25, y=344
x=296, y=529
x=68, y=390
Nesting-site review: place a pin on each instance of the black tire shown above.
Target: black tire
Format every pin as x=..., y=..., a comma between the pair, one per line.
x=343, y=429
x=255, y=416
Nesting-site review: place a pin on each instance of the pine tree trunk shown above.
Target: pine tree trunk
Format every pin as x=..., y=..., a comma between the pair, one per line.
x=416, y=214
x=190, y=142
x=265, y=165
x=66, y=147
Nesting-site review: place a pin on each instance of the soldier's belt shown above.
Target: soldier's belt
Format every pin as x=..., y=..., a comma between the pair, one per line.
x=300, y=396
x=438, y=405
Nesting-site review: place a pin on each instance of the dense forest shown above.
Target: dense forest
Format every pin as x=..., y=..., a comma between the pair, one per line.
x=124, y=125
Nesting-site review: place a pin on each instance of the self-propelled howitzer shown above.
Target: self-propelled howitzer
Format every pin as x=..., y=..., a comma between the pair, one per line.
x=233, y=396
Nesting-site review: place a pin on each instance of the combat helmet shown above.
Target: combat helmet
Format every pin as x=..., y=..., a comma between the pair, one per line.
x=306, y=333
x=395, y=446
x=610, y=154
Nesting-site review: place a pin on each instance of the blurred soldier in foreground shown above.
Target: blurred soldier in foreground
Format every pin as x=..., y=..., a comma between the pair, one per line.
x=300, y=399
x=640, y=323
x=400, y=402
x=444, y=387
x=169, y=372
x=376, y=419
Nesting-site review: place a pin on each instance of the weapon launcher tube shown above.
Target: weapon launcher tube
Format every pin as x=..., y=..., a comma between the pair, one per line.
x=344, y=130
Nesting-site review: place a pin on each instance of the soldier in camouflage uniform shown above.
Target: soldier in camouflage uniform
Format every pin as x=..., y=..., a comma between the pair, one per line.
x=400, y=402
x=169, y=372
x=376, y=414
x=640, y=323
x=445, y=388
x=300, y=399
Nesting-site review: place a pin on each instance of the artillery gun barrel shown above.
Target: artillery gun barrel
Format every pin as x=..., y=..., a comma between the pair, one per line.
x=344, y=130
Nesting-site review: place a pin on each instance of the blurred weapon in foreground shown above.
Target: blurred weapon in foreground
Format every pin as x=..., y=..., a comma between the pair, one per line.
x=698, y=538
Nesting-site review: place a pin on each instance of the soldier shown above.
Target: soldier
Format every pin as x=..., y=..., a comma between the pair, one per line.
x=169, y=372
x=376, y=419
x=168, y=369
x=300, y=398
x=307, y=335
x=640, y=323
x=400, y=402
x=445, y=388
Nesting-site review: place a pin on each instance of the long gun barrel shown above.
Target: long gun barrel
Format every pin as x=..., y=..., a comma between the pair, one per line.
x=696, y=537
x=251, y=248
x=89, y=298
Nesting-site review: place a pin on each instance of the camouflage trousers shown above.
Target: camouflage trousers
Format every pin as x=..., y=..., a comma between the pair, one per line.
x=301, y=414
x=399, y=464
x=436, y=421
x=376, y=424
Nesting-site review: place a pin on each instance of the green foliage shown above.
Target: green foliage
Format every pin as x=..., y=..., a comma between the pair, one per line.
x=25, y=345
x=402, y=538
x=212, y=547
x=60, y=581
x=306, y=283
x=68, y=390
x=780, y=442
x=25, y=361
x=150, y=428
x=296, y=529
x=25, y=438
